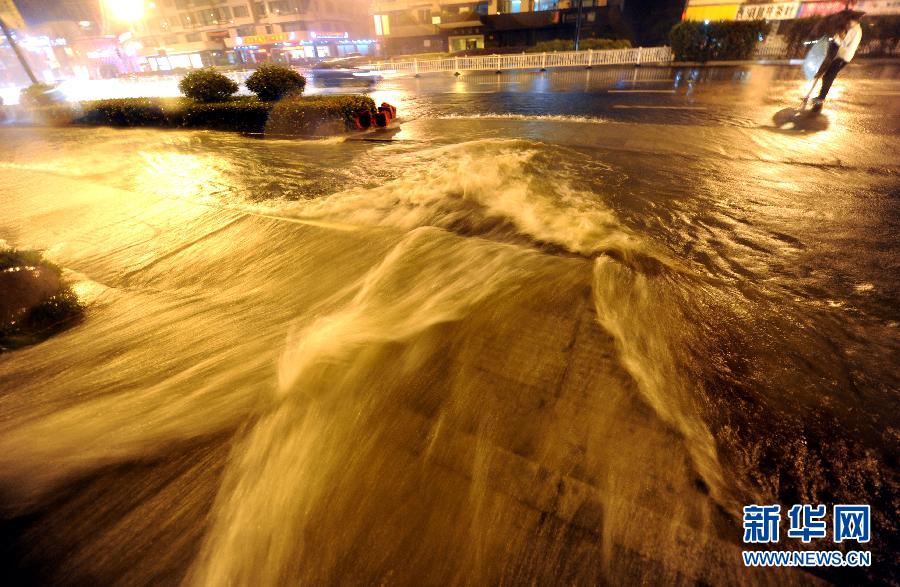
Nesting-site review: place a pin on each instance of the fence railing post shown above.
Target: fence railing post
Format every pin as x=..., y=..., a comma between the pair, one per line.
x=593, y=57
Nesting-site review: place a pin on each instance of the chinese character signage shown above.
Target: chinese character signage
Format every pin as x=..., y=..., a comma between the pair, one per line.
x=267, y=39
x=776, y=11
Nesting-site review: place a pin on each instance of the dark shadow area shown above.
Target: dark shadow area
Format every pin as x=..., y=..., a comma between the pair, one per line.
x=35, y=300
x=142, y=503
x=792, y=119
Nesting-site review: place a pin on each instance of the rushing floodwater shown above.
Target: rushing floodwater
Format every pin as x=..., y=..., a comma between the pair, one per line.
x=502, y=348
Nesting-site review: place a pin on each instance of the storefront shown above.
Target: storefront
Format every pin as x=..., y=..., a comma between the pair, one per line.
x=465, y=42
x=183, y=56
x=773, y=11
x=297, y=46
x=711, y=10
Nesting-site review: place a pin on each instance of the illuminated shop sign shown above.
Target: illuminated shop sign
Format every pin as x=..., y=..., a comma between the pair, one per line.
x=265, y=39
x=777, y=11
x=329, y=35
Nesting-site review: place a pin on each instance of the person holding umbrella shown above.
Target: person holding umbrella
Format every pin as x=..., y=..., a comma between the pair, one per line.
x=843, y=49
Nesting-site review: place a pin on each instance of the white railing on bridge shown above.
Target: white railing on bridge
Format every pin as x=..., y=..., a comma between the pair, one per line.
x=590, y=58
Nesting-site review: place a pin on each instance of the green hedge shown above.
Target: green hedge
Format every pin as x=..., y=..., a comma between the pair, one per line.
x=59, y=310
x=881, y=34
x=273, y=82
x=584, y=44
x=53, y=115
x=124, y=112
x=207, y=85
x=241, y=114
x=716, y=41
x=38, y=94
x=314, y=115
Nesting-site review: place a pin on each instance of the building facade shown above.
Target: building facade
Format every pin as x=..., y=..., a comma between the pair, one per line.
x=58, y=40
x=195, y=33
x=422, y=26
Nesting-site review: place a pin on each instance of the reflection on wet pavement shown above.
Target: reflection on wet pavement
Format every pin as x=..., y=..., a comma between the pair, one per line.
x=531, y=338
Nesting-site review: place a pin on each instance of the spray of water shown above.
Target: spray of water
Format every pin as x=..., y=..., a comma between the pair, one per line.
x=423, y=396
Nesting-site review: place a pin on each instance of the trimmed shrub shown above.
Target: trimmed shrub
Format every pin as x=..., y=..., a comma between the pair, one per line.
x=485, y=51
x=207, y=85
x=881, y=33
x=726, y=40
x=52, y=115
x=12, y=258
x=38, y=94
x=240, y=114
x=125, y=112
x=34, y=304
x=584, y=44
x=799, y=31
x=273, y=82
x=605, y=44
x=316, y=115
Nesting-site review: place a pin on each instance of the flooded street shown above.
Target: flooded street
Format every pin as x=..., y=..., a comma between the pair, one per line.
x=556, y=329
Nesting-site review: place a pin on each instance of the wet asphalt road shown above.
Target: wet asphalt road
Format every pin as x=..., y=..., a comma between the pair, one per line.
x=864, y=98
x=555, y=325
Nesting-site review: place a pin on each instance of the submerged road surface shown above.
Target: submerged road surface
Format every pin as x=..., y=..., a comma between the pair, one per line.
x=557, y=329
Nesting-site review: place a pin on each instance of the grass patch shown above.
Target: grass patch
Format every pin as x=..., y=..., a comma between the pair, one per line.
x=35, y=302
x=296, y=116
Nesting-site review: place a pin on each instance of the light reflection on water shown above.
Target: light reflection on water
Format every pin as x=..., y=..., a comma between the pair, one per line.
x=537, y=348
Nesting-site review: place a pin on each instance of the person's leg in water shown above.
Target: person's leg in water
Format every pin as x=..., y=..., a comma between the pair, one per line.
x=836, y=65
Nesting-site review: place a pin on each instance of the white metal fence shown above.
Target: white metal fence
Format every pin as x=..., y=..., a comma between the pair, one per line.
x=776, y=48
x=772, y=48
x=588, y=58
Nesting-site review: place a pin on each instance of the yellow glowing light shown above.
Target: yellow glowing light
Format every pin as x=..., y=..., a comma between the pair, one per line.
x=126, y=10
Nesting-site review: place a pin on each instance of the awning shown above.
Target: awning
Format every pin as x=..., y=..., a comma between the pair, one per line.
x=715, y=12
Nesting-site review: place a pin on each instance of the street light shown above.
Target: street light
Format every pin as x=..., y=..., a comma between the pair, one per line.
x=128, y=11
x=124, y=14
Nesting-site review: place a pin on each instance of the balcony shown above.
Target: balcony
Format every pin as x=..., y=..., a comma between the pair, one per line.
x=457, y=19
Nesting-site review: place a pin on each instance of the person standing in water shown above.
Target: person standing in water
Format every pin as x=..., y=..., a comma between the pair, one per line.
x=847, y=41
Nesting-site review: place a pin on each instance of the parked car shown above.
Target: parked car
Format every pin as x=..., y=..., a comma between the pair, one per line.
x=343, y=71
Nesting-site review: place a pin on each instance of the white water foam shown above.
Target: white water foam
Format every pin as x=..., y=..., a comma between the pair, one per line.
x=471, y=187
x=651, y=330
x=331, y=410
x=527, y=117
